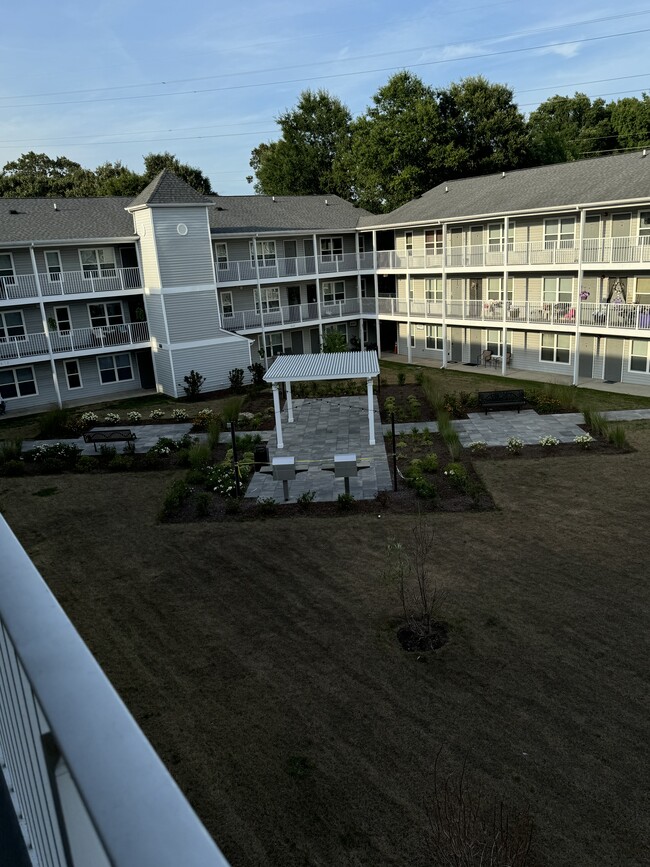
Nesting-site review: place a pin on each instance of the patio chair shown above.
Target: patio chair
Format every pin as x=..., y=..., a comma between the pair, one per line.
x=486, y=357
x=508, y=359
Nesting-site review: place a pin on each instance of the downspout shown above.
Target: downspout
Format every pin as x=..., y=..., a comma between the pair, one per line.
x=41, y=305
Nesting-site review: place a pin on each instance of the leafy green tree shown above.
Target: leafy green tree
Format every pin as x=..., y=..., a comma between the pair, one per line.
x=395, y=152
x=35, y=174
x=483, y=128
x=565, y=128
x=630, y=118
x=303, y=161
x=155, y=163
x=334, y=341
x=115, y=179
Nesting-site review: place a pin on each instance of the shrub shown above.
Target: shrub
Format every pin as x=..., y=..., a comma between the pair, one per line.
x=457, y=475
x=267, y=505
x=424, y=489
x=177, y=494
x=345, y=502
x=221, y=478
x=202, y=419
x=106, y=453
x=414, y=469
x=401, y=378
x=11, y=450
x=214, y=430
x=584, y=441
x=419, y=377
x=112, y=418
x=12, y=468
x=231, y=409
x=617, y=437
x=390, y=405
x=85, y=421
x=55, y=458
x=86, y=464
x=179, y=414
x=247, y=442
x=156, y=414
x=414, y=404
x=478, y=448
x=134, y=416
x=193, y=384
x=430, y=463
x=257, y=373
x=198, y=455
x=305, y=499
x=120, y=464
x=334, y=341
x=236, y=378
x=203, y=503
x=232, y=507
x=549, y=442
x=54, y=423
x=514, y=446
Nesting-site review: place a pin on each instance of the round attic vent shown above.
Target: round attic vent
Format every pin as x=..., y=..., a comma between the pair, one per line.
x=181, y=229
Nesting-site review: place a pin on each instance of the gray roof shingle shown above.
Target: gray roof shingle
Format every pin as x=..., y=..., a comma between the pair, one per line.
x=25, y=220
x=168, y=189
x=603, y=179
x=249, y=214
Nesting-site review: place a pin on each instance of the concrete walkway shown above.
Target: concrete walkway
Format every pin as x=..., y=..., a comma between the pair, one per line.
x=321, y=429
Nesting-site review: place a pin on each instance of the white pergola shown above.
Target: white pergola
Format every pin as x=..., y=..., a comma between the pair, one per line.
x=320, y=367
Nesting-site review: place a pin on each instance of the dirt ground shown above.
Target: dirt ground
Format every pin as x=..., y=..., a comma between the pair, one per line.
x=262, y=661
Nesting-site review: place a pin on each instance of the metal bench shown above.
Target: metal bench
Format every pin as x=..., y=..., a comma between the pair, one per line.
x=508, y=399
x=114, y=435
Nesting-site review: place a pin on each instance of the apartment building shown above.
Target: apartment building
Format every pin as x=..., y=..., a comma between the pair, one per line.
x=548, y=268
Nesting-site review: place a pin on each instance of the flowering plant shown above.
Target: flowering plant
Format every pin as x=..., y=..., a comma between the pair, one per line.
x=549, y=442
x=584, y=440
x=514, y=445
x=88, y=417
x=156, y=413
x=478, y=448
x=112, y=418
x=221, y=478
x=134, y=416
x=179, y=414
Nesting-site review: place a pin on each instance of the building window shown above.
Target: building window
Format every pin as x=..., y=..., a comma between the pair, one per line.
x=62, y=318
x=72, y=374
x=331, y=249
x=433, y=289
x=642, y=294
x=333, y=292
x=557, y=289
x=367, y=287
x=265, y=252
x=408, y=243
x=644, y=227
x=494, y=291
x=495, y=237
x=433, y=241
x=433, y=339
x=102, y=315
x=639, y=357
x=19, y=382
x=227, y=308
x=98, y=263
x=115, y=368
x=53, y=265
x=494, y=343
x=274, y=344
x=221, y=255
x=363, y=244
x=559, y=233
x=555, y=347
x=12, y=325
x=269, y=296
x=7, y=274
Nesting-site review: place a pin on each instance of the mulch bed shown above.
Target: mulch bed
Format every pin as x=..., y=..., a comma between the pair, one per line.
x=405, y=410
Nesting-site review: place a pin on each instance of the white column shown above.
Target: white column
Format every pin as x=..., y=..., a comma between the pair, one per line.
x=278, y=419
x=576, y=359
x=258, y=289
x=371, y=413
x=504, y=335
x=318, y=299
x=55, y=378
x=376, y=287
x=287, y=385
x=409, y=351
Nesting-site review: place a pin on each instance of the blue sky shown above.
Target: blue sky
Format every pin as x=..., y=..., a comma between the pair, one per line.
x=113, y=80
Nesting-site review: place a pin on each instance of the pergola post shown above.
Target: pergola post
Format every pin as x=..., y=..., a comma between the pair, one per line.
x=278, y=419
x=287, y=385
x=371, y=412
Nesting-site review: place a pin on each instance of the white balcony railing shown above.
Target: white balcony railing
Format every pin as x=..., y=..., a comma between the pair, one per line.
x=245, y=271
x=20, y=286
x=77, y=340
x=294, y=315
x=81, y=282
x=86, y=785
x=530, y=253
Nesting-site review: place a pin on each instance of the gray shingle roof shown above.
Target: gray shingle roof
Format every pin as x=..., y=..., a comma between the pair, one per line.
x=37, y=220
x=168, y=189
x=286, y=213
x=604, y=179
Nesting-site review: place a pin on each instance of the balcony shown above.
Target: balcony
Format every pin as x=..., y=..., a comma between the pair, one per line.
x=64, y=283
x=245, y=271
x=294, y=316
x=596, y=251
x=85, y=784
x=37, y=345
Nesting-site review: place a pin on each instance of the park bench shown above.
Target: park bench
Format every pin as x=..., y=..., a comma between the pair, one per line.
x=501, y=399
x=115, y=435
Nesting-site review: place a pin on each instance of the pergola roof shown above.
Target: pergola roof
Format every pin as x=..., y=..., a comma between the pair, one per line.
x=326, y=365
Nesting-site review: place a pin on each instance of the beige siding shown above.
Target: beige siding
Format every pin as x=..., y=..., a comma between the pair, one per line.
x=184, y=260
x=144, y=228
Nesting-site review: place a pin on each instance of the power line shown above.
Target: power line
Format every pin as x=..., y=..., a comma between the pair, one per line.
x=485, y=55
x=494, y=38
x=149, y=140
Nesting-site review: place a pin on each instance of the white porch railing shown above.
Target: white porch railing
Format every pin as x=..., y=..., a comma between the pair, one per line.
x=86, y=785
x=77, y=340
x=20, y=286
x=80, y=282
x=244, y=271
x=294, y=315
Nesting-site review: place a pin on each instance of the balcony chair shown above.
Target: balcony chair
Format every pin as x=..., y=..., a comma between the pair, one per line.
x=508, y=359
x=485, y=357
